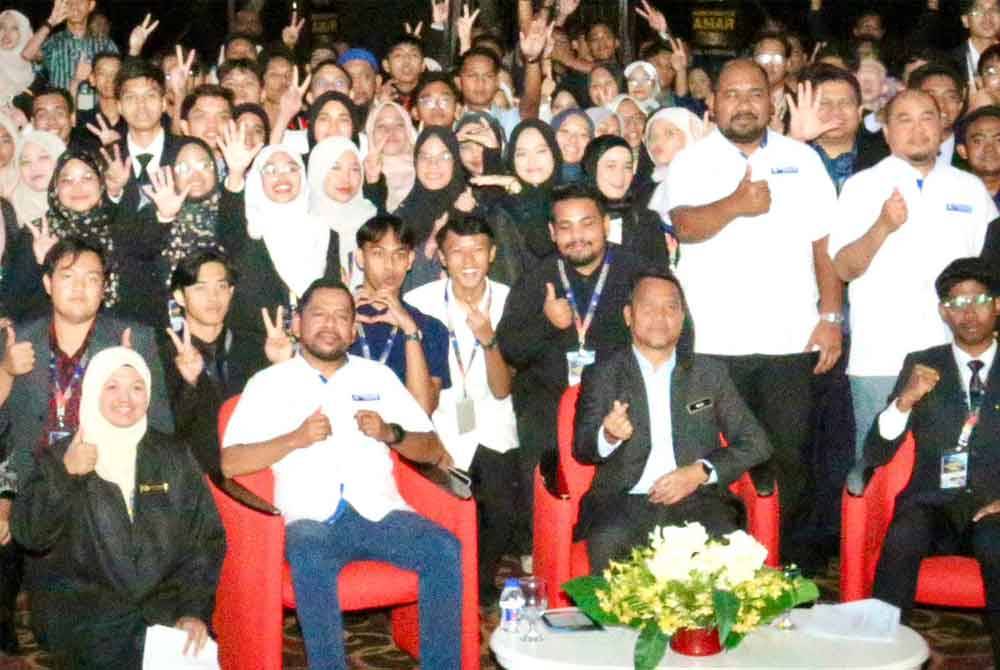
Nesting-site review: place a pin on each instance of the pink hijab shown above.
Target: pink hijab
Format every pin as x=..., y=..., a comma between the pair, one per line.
x=400, y=171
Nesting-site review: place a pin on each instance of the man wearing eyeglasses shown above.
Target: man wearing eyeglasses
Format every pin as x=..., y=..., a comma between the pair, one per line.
x=437, y=101
x=947, y=396
x=982, y=19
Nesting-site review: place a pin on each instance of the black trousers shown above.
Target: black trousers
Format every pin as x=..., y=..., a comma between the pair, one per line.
x=495, y=488
x=11, y=572
x=778, y=390
x=617, y=528
x=920, y=530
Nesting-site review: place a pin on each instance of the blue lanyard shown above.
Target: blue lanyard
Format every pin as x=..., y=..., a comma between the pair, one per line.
x=63, y=396
x=462, y=367
x=366, y=350
x=583, y=325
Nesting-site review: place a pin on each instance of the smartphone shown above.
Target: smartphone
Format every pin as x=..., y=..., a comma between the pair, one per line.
x=569, y=619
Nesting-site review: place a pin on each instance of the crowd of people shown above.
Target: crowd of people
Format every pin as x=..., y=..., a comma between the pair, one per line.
x=792, y=251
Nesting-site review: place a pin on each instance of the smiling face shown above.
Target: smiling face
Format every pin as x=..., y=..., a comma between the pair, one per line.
x=10, y=32
x=277, y=78
x=972, y=325
x=913, y=128
x=601, y=42
x=633, y=122
x=78, y=187
x=51, y=113
x=573, y=136
x=614, y=172
x=207, y=118
x=478, y=81
x=326, y=326
x=983, y=20
x=603, y=87
x=700, y=83
x=982, y=146
x=281, y=177
x=195, y=168
x=467, y=258
x=435, y=164
x=437, y=105
x=533, y=159
x=404, y=64
x=124, y=398
x=665, y=141
x=36, y=166
x=579, y=231
x=333, y=120
x=343, y=181
x=770, y=54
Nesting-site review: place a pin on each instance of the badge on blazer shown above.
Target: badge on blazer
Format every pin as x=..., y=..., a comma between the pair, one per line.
x=699, y=405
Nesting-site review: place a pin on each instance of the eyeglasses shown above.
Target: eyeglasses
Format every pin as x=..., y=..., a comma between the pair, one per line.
x=184, y=169
x=272, y=170
x=961, y=302
x=636, y=121
x=768, y=59
x=431, y=159
x=442, y=102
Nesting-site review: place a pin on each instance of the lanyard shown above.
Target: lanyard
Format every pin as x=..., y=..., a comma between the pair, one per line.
x=63, y=396
x=366, y=350
x=462, y=367
x=583, y=325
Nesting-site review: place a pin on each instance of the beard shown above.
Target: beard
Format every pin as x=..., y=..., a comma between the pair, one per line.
x=921, y=157
x=336, y=353
x=585, y=257
x=751, y=134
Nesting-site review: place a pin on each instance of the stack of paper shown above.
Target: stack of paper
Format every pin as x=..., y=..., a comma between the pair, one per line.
x=164, y=651
x=871, y=620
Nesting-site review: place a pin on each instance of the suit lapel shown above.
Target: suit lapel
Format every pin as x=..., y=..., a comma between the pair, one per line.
x=638, y=407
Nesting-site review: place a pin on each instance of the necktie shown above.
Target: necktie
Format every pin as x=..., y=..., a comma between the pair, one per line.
x=976, y=386
x=143, y=176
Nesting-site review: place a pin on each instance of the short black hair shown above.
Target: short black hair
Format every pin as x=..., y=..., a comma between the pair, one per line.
x=332, y=62
x=139, y=68
x=776, y=37
x=654, y=49
x=105, y=55
x=401, y=40
x=665, y=275
x=990, y=55
x=377, y=227
x=966, y=6
x=577, y=190
x=71, y=246
x=251, y=66
x=480, y=52
x=822, y=73
x=936, y=69
x=52, y=90
x=323, y=283
x=428, y=78
x=962, y=127
x=206, y=91
x=259, y=112
x=840, y=50
x=465, y=226
x=959, y=270
x=233, y=37
x=186, y=272
x=274, y=52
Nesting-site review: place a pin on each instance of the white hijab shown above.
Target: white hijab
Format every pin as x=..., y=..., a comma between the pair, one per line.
x=296, y=240
x=400, y=171
x=30, y=204
x=693, y=129
x=343, y=217
x=16, y=73
x=9, y=174
x=651, y=104
x=116, y=447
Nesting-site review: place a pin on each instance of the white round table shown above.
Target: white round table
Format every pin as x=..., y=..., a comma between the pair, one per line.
x=765, y=649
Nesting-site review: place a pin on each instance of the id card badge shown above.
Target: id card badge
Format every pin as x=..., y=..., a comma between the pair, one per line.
x=56, y=435
x=176, y=315
x=615, y=231
x=954, y=468
x=576, y=361
x=465, y=412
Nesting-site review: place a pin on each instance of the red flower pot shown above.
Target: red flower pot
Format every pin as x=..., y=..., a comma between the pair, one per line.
x=696, y=641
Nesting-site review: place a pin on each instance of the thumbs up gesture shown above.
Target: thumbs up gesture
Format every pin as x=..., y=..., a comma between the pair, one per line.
x=751, y=198
x=557, y=310
x=81, y=457
x=894, y=211
x=18, y=357
x=617, y=427
x=315, y=428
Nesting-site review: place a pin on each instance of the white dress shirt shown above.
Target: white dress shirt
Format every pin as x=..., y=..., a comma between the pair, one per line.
x=309, y=481
x=894, y=304
x=155, y=148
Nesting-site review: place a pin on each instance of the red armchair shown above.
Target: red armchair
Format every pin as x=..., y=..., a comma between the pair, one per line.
x=559, y=559
x=256, y=585
x=868, y=503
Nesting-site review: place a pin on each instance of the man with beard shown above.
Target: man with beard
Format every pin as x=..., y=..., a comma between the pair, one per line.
x=324, y=421
x=755, y=207
x=561, y=317
x=899, y=224
x=947, y=396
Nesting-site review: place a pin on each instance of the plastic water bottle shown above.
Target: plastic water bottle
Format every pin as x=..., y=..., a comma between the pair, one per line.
x=511, y=604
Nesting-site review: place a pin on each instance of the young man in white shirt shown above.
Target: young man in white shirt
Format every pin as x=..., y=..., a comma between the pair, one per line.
x=324, y=421
x=899, y=224
x=475, y=417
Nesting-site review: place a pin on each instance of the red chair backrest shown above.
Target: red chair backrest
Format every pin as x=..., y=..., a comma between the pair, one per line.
x=262, y=482
x=574, y=476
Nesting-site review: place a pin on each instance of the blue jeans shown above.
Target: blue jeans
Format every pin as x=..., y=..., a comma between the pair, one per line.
x=870, y=395
x=318, y=552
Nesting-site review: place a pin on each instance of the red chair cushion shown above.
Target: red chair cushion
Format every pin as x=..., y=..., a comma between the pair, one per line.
x=951, y=581
x=579, y=559
x=363, y=585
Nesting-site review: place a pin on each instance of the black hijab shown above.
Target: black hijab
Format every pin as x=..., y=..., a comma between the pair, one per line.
x=422, y=207
x=317, y=106
x=531, y=209
x=492, y=158
x=592, y=156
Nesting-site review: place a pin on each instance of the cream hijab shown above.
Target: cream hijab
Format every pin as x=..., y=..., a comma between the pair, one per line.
x=9, y=174
x=29, y=204
x=343, y=217
x=400, y=171
x=16, y=73
x=296, y=240
x=116, y=447
x=693, y=129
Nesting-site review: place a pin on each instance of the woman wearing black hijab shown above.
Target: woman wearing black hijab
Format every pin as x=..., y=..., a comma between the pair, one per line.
x=329, y=120
x=608, y=163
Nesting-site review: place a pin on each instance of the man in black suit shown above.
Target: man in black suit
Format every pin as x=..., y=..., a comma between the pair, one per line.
x=649, y=417
x=949, y=397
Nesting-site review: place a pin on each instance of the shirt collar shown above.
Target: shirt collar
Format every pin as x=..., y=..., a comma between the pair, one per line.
x=647, y=367
x=962, y=358
x=901, y=167
x=155, y=148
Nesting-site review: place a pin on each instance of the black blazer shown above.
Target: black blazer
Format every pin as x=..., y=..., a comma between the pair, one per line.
x=936, y=422
x=131, y=197
x=704, y=402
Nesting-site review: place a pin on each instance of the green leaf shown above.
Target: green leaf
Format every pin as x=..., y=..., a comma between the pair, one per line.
x=583, y=591
x=727, y=608
x=806, y=591
x=650, y=647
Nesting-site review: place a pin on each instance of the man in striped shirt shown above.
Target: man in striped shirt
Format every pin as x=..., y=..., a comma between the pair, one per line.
x=63, y=52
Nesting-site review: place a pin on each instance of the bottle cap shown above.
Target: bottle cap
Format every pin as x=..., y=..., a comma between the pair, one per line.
x=511, y=581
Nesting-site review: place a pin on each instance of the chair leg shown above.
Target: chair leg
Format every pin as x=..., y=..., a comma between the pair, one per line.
x=406, y=629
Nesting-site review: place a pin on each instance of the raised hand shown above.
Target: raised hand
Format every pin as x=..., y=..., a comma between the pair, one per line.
x=42, y=239
x=189, y=361
x=81, y=456
x=83, y=70
x=533, y=44
x=373, y=161
x=372, y=425
x=105, y=133
x=679, y=59
x=315, y=428
x=117, y=171
x=290, y=34
x=18, y=357
x=137, y=38
x=479, y=323
x=894, y=211
x=413, y=32
x=566, y=9
x=60, y=10
x=197, y=634
x=431, y=246
x=439, y=12
x=806, y=123
x=654, y=17
x=177, y=76
x=922, y=381
x=479, y=132
x=278, y=346
x=557, y=310
x=617, y=426
x=290, y=103
x=233, y=145
x=164, y=194
x=751, y=198
x=463, y=26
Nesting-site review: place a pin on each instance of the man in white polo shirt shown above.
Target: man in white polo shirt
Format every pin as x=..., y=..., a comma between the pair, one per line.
x=324, y=422
x=752, y=209
x=899, y=223
x=475, y=416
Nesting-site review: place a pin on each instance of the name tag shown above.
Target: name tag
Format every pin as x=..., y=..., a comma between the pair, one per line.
x=57, y=435
x=465, y=414
x=954, y=468
x=790, y=169
x=699, y=405
x=958, y=207
x=576, y=361
x=365, y=397
x=162, y=487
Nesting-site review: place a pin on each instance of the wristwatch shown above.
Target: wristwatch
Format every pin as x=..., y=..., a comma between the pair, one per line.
x=492, y=344
x=415, y=336
x=832, y=317
x=707, y=469
x=398, y=434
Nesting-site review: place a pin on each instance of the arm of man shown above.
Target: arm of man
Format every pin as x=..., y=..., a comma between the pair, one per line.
x=596, y=399
x=827, y=336
x=525, y=333
x=853, y=259
x=890, y=427
x=245, y=459
x=703, y=222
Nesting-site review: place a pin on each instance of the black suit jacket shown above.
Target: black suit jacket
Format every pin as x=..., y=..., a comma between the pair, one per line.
x=131, y=198
x=703, y=403
x=936, y=422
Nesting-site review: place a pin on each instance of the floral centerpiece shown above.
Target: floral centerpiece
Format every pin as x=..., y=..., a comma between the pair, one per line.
x=686, y=581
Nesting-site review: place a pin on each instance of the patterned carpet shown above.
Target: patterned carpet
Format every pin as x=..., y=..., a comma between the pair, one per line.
x=957, y=638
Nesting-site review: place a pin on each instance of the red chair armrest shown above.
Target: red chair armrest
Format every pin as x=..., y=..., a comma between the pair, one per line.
x=763, y=516
x=554, y=520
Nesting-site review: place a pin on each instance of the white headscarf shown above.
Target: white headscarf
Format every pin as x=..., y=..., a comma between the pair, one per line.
x=400, y=171
x=16, y=73
x=29, y=204
x=296, y=241
x=9, y=173
x=650, y=105
x=693, y=129
x=116, y=447
x=343, y=217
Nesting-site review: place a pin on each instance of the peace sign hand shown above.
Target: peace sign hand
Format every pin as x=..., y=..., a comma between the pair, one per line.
x=60, y=10
x=463, y=26
x=413, y=32
x=42, y=239
x=162, y=191
x=117, y=171
x=177, y=76
x=233, y=145
x=278, y=346
x=290, y=103
x=105, y=133
x=189, y=361
x=291, y=32
x=679, y=58
x=654, y=17
x=373, y=161
x=137, y=38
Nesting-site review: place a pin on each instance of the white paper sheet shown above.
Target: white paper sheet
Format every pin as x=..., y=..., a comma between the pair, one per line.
x=164, y=647
x=871, y=620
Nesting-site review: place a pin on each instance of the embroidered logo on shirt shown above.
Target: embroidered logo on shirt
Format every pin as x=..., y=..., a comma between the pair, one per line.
x=699, y=405
x=365, y=397
x=958, y=207
x=791, y=169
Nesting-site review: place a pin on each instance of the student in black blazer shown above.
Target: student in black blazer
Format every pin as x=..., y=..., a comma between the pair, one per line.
x=649, y=417
x=952, y=503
